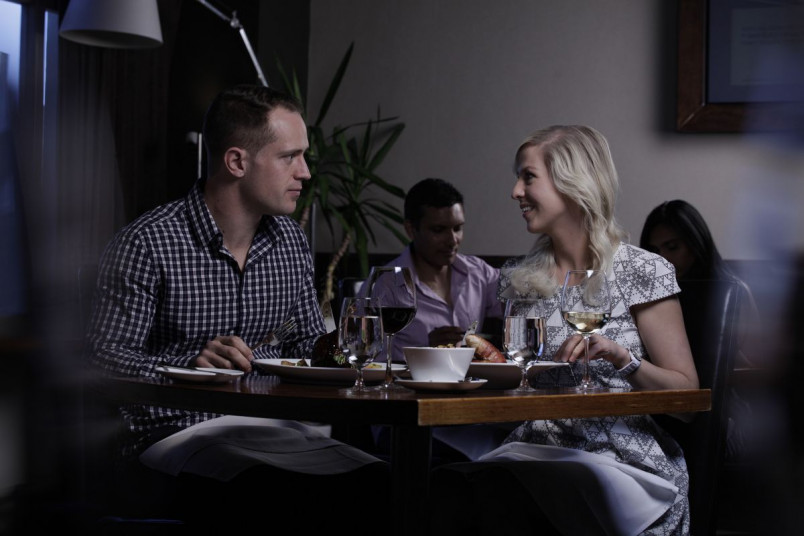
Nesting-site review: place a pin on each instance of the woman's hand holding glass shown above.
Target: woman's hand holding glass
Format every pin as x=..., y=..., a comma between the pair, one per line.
x=586, y=307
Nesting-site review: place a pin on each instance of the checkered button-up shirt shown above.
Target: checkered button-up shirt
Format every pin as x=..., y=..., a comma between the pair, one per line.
x=167, y=286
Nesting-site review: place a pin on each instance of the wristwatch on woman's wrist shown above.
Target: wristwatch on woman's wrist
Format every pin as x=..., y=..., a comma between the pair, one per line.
x=631, y=367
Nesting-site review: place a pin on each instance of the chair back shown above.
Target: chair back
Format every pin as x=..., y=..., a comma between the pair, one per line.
x=711, y=318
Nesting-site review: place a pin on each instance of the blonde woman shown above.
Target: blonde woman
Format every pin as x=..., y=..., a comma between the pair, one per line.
x=617, y=475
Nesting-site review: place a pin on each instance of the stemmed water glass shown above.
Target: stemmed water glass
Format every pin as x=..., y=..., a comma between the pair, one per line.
x=360, y=336
x=586, y=307
x=523, y=335
x=395, y=288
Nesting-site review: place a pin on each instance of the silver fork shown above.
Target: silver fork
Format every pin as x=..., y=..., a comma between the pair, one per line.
x=277, y=336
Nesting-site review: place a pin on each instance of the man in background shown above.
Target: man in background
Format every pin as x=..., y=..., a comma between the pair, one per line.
x=452, y=290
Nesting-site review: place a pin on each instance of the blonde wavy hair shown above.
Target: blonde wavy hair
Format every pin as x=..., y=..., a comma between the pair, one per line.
x=579, y=161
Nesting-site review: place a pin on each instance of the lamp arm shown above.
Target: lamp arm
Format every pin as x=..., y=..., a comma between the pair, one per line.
x=235, y=23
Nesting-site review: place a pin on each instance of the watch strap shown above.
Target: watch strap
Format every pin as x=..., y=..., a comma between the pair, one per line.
x=631, y=367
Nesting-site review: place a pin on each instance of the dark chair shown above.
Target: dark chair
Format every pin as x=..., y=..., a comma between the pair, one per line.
x=711, y=318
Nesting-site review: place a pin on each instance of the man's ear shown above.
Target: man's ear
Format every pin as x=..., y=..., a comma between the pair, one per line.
x=235, y=161
x=409, y=228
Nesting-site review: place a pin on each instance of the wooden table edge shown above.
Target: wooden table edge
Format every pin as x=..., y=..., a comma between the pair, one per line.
x=438, y=411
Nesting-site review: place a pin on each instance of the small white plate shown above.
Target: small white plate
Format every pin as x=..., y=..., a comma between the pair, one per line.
x=507, y=375
x=200, y=374
x=375, y=372
x=441, y=386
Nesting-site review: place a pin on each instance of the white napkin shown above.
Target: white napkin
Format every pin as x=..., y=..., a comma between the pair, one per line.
x=474, y=440
x=578, y=489
x=221, y=448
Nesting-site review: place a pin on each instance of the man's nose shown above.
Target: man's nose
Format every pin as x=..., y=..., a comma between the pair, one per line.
x=304, y=171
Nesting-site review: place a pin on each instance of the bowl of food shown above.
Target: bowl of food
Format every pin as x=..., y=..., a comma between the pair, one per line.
x=431, y=364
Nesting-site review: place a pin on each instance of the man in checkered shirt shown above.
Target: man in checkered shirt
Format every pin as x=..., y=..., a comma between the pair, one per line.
x=201, y=280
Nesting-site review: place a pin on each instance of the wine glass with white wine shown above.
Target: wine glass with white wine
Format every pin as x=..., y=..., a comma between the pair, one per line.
x=586, y=307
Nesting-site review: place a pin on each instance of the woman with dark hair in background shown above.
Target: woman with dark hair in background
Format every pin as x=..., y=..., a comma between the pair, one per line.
x=678, y=232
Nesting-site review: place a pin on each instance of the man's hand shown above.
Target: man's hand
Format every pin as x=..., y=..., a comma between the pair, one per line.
x=446, y=335
x=226, y=351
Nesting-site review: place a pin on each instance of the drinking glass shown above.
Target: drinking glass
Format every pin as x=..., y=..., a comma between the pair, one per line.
x=523, y=335
x=395, y=288
x=360, y=336
x=586, y=307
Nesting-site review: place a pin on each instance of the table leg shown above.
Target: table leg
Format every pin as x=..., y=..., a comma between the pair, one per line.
x=411, y=449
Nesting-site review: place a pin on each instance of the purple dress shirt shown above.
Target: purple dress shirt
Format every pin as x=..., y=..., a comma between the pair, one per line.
x=474, y=297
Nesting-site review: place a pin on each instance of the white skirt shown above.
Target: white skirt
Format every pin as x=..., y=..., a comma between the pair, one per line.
x=578, y=490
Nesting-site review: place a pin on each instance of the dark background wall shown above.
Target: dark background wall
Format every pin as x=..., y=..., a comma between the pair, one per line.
x=201, y=56
x=208, y=55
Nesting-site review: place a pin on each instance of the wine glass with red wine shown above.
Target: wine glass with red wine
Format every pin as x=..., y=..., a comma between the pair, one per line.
x=396, y=289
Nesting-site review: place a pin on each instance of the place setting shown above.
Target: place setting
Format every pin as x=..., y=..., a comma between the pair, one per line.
x=287, y=369
x=329, y=362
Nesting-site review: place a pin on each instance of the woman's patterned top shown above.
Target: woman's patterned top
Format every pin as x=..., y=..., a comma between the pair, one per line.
x=637, y=277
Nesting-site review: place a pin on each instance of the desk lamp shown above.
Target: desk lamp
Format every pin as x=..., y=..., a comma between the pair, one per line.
x=112, y=24
x=131, y=24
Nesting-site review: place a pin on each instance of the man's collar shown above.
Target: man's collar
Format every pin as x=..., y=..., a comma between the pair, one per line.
x=408, y=255
x=200, y=218
x=208, y=232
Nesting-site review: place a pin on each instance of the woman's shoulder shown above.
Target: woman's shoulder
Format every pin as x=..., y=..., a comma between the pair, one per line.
x=646, y=276
x=631, y=257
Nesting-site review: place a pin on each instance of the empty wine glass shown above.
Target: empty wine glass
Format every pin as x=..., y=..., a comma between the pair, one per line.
x=360, y=336
x=395, y=288
x=523, y=335
x=586, y=307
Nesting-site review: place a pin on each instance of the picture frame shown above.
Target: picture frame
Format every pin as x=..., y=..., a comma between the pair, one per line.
x=694, y=111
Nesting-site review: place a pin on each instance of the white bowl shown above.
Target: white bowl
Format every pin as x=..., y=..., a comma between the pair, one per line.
x=430, y=364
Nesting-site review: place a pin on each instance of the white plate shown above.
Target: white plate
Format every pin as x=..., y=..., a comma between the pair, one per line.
x=441, y=386
x=200, y=374
x=323, y=374
x=506, y=375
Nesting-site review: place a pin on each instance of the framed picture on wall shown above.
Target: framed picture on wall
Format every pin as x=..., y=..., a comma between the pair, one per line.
x=740, y=64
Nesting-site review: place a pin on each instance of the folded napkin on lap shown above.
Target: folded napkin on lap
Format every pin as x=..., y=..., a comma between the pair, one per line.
x=222, y=448
x=621, y=498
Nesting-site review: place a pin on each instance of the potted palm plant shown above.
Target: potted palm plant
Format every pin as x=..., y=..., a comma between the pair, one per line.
x=345, y=186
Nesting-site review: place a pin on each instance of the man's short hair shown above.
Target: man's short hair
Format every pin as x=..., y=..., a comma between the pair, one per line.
x=238, y=117
x=435, y=193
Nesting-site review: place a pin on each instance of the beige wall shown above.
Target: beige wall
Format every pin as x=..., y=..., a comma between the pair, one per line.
x=472, y=78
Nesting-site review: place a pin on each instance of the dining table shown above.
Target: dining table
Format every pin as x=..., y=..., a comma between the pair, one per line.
x=411, y=415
